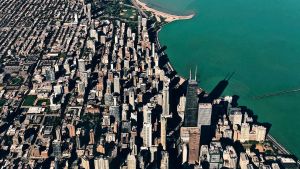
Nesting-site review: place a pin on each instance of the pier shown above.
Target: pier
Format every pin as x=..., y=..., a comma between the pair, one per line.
x=276, y=94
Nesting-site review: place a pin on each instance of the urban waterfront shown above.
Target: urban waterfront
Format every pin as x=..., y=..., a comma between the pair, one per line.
x=86, y=84
x=258, y=40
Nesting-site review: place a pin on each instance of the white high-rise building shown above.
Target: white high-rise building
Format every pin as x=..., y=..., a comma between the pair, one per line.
x=261, y=133
x=235, y=116
x=163, y=132
x=153, y=50
x=89, y=12
x=139, y=24
x=67, y=67
x=153, y=151
x=116, y=84
x=131, y=162
x=144, y=23
x=75, y=18
x=94, y=34
x=164, y=163
x=244, y=160
x=166, y=105
x=230, y=157
x=85, y=162
x=146, y=114
x=181, y=106
x=245, y=131
x=50, y=74
x=184, y=153
x=147, y=134
x=58, y=133
x=101, y=163
x=57, y=89
x=81, y=88
x=204, y=114
x=91, y=45
x=84, y=78
x=81, y=65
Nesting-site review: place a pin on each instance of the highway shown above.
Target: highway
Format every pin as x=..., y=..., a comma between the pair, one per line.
x=279, y=146
x=138, y=7
x=283, y=150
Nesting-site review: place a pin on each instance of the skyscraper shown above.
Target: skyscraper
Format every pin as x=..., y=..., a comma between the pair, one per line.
x=92, y=137
x=114, y=110
x=146, y=114
x=166, y=105
x=131, y=99
x=194, y=145
x=244, y=160
x=101, y=163
x=245, y=130
x=261, y=133
x=163, y=131
x=204, y=114
x=78, y=142
x=75, y=18
x=85, y=162
x=131, y=162
x=191, y=108
x=81, y=88
x=50, y=74
x=184, y=153
x=230, y=157
x=153, y=151
x=153, y=50
x=116, y=84
x=164, y=163
x=89, y=12
x=147, y=134
x=235, y=115
x=81, y=65
x=71, y=129
x=181, y=106
x=58, y=133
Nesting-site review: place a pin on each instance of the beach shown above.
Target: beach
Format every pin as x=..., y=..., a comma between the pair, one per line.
x=168, y=17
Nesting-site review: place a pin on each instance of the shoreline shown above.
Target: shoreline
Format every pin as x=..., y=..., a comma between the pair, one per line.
x=158, y=46
x=168, y=17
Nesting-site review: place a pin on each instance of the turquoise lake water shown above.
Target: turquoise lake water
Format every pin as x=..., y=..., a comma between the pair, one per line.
x=257, y=39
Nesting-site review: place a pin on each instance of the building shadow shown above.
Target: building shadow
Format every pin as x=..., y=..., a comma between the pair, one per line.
x=163, y=60
x=217, y=91
x=235, y=99
x=162, y=49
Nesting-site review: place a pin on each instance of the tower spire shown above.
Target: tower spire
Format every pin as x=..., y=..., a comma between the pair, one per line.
x=190, y=74
x=196, y=74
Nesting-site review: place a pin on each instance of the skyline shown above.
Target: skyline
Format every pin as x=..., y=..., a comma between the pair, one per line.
x=86, y=84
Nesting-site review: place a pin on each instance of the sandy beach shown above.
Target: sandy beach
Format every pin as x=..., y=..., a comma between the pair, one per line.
x=168, y=17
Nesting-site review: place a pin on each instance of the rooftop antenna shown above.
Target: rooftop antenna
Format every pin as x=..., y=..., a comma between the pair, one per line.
x=196, y=74
x=190, y=74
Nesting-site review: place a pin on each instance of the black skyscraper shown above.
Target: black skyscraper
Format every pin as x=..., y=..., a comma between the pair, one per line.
x=191, y=109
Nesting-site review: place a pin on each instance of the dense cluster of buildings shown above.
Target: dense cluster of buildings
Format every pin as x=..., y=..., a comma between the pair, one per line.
x=82, y=92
